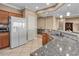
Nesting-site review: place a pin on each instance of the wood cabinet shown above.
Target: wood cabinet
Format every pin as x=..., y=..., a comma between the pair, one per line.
x=3, y=17
x=45, y=38
x=4, y=40
x=14, y=14
x=0, y=42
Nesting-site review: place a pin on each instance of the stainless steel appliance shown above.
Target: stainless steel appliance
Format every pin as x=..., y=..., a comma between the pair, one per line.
x=18, y=31
x=4, y=27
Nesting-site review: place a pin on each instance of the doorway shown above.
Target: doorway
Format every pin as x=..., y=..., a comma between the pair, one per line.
x=68, y=26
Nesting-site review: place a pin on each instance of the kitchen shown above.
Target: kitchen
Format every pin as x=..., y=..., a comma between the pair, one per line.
x=36, y=26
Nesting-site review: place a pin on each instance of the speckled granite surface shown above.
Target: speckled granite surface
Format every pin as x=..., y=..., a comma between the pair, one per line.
x=61, y=46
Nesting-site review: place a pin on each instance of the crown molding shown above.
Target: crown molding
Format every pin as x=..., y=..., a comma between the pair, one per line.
x=9, y=5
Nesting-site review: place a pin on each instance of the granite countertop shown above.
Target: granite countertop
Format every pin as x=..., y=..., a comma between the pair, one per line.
x=67, y=32
x=61, y=46
x=1, y=31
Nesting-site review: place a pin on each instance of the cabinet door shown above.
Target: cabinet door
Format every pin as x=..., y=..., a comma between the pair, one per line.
x=0, y=42
x=3, y=17
x=5, y=40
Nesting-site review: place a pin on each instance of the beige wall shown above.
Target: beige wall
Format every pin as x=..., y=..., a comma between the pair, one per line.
x=27, y=12
x=31, y=19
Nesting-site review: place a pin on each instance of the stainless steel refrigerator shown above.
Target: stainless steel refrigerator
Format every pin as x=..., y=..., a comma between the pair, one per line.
x=18, y=31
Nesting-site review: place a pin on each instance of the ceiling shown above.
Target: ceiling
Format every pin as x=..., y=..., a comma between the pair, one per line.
x=32, y=6
x=73, y=8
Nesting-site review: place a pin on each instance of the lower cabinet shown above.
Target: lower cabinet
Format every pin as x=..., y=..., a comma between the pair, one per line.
x=4, y=39
x=0, y=43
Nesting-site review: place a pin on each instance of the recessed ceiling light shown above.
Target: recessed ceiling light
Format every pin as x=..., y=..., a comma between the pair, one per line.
x=36, y=7
x=60, y=49
x=67, y=54
x=69, y=5
x=68, y=14
x=47, y=3
x=61, y=16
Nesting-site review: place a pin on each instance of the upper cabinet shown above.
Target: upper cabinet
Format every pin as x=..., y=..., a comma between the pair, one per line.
x=3, y=16
x=14, y=14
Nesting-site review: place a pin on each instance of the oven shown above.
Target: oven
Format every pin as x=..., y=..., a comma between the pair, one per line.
x=4, y=27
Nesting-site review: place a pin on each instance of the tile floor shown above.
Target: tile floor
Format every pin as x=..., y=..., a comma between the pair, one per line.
x=60, y=46
x=23, y=50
